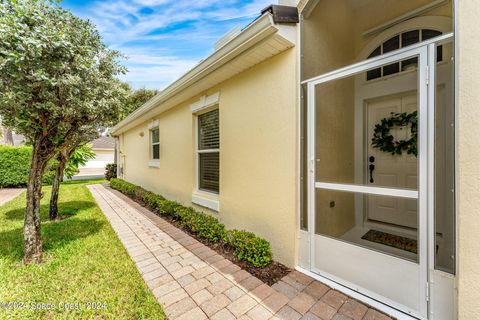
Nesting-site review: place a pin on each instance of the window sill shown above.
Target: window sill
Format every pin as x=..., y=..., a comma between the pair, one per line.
x=154, y=163
x=206, y=201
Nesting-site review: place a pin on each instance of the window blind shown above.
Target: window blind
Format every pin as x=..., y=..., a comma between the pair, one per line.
x=208, y=130
x=209, y=171
x=208, y=151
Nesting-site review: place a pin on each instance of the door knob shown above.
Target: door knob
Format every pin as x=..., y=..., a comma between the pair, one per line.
x=371, y=167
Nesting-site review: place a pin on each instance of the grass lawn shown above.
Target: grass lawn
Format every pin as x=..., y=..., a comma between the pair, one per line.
x=83, y=262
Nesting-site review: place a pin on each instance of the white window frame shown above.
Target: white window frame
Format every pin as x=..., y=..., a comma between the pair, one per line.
x=202, y=197
x=154, y=125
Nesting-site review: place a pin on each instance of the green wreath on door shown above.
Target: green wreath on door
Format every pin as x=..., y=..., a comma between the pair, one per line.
x=384, y=140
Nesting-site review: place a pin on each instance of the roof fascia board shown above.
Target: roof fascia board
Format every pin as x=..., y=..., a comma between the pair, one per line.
x=254, y=33
x=306, y=7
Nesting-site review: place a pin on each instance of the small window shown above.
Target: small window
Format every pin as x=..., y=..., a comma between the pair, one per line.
x=377, y=72
x=402, y=40
x=209, y=151
x=155, y=141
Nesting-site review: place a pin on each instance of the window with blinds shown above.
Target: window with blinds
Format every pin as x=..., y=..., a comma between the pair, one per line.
x=209, y=151
x=155, y=141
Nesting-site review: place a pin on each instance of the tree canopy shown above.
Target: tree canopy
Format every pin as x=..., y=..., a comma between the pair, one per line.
x=135, y=99
x=56, y=73
x=56, y=76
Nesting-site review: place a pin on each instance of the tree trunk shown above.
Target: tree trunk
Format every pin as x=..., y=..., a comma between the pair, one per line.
x=56, y=186
x=8, y=136
x=31, y=228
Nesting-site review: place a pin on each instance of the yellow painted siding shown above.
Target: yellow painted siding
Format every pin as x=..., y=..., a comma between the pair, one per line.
x=333, y=32
x=174, y=177
x=469, y=158
x=258, y=153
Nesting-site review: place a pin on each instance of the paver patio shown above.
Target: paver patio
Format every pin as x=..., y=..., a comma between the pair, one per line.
x=191, y=281
x=9, y=194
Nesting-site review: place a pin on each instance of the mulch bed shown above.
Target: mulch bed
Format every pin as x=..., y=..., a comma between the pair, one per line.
x=272, y=273
x=269, y=275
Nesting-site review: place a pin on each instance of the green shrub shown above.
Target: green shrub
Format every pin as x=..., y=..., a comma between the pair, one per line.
x=110, y=171
x=151, y=199
x=15, y=165
x=138, y=193
x=249, y=247
x=203, y=225
x=123, y=186
x=168, y=208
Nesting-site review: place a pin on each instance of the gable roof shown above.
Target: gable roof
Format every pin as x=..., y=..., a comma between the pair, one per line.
x=259, y=41
x=105, y=143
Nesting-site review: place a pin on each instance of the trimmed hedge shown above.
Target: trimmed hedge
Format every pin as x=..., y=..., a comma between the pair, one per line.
x=15, y=165
x=123, y=186
x=247, y=246
x=204, y=226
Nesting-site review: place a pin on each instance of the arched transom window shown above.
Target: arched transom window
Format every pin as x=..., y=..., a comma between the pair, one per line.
x=402, y=40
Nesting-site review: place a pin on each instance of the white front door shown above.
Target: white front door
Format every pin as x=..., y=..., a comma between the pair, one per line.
x=387, y=266
x=386, y=169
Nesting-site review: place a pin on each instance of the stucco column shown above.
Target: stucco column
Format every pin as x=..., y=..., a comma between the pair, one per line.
x=468, y=54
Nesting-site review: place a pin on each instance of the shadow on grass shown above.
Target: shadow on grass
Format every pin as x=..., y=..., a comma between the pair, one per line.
x=64, y=208
x=54, y=236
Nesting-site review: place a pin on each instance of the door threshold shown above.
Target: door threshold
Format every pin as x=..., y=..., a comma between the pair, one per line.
x=358, y=296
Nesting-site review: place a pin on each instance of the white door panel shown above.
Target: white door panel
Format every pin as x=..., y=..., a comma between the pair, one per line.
x=368, y=269
x=399, y=171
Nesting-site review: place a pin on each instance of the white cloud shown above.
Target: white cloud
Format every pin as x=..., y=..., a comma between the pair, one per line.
x=165, y=38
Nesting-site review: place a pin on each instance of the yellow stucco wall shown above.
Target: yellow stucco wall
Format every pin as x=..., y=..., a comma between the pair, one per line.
x=468, y=193
x=258, y=153
x=333, y=30
x=174, y=177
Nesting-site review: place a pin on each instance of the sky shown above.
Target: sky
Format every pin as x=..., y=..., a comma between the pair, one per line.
x=164, y=38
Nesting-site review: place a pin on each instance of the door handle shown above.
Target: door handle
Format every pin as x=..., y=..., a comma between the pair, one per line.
x=371, y=167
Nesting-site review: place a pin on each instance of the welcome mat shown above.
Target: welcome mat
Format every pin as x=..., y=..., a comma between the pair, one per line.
x=391, y=240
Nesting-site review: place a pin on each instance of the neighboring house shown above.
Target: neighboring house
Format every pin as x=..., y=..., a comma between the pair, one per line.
x=104, y=148
x=17, y=139
x=349, y=140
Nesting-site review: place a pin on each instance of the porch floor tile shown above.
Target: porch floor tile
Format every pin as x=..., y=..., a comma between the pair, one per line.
x=192, y=281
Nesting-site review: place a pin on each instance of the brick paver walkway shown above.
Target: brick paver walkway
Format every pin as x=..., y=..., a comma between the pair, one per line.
x=191, y=281
x=9, y=194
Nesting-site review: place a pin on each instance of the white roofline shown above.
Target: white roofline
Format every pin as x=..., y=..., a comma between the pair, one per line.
x=251, y=35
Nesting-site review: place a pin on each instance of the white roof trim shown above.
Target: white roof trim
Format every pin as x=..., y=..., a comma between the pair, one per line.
x=255, y=33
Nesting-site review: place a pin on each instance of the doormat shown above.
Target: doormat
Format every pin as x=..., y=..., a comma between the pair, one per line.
x=391, y=240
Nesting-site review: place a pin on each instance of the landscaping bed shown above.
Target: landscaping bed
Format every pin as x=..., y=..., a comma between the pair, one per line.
x=243, y=248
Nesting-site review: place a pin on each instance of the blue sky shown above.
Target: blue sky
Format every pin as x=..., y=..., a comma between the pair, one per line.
x=164, y=38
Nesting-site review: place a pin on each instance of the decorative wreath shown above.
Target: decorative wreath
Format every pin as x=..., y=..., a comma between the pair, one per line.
x=383, y=140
